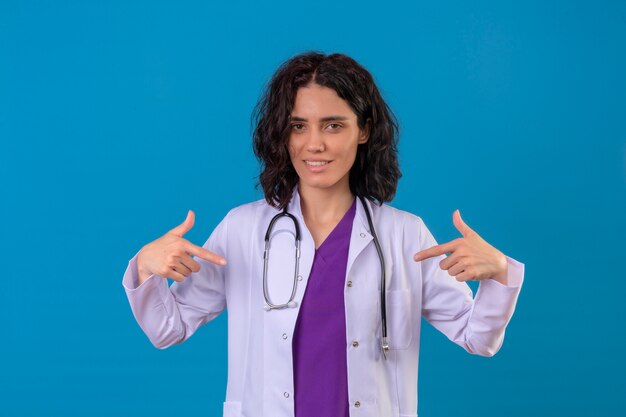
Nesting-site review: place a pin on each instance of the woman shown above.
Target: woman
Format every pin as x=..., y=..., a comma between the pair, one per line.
x=316, y=335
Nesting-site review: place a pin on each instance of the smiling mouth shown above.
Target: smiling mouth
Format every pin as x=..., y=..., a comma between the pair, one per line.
x=317, y=163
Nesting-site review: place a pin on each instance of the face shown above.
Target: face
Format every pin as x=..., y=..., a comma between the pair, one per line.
x=323, y=139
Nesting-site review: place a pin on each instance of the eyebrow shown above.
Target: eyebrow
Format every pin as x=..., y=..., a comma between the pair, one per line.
x=323, y=119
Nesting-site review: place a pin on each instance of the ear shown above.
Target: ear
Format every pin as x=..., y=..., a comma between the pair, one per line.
x=365, y=133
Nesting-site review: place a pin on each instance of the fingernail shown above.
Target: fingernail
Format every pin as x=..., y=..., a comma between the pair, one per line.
x=223, y=261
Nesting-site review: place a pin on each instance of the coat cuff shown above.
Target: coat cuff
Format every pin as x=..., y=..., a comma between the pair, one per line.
x=514, y=275
x=494, y=305
x=151, y=291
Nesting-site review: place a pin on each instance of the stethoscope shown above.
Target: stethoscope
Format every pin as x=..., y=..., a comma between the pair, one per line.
x=291, y=303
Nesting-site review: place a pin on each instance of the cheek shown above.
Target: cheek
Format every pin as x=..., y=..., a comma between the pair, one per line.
x=294, y=147
x=292, y=151
x=290, y=147
x=351, y=153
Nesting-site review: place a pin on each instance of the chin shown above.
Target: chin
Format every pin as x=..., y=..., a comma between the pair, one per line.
x=319, y=183
x=315, y=184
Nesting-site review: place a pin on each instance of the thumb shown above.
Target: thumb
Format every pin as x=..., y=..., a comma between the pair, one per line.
x=460, y=224
x=184, y=227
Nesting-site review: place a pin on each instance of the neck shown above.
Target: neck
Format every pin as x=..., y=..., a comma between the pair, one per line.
x=323, y=206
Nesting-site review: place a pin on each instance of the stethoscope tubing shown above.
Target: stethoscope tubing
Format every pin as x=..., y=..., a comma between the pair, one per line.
x=269, y=305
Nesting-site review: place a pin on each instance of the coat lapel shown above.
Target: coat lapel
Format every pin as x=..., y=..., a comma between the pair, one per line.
x=359, y=239
x=361, y=235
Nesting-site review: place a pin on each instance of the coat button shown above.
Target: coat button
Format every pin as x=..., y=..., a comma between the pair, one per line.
x=349, y=283
x=357, y=404
x=286, y=394
x=299, y=277
x=355, y=344
x=362, y=234
x=284, y=335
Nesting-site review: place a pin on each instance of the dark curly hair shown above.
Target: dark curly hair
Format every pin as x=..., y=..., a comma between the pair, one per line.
x=375, y=172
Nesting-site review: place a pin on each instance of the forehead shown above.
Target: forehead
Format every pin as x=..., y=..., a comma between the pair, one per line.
x=314, y=100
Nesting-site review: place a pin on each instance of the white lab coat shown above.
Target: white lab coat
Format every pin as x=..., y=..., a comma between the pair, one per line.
x=260, y=367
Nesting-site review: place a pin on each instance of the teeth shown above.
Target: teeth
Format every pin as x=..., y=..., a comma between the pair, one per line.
x=316, y=163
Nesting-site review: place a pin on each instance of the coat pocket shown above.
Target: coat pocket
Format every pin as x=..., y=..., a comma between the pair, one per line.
x=232, y=409
x=399, y=319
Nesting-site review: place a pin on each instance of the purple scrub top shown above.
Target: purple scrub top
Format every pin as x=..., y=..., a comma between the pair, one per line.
x=319, y=342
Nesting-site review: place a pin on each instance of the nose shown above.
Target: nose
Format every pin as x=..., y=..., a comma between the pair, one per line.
x=315, y=141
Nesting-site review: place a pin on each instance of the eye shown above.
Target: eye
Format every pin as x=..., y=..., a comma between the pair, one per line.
x=296, y=126
x=335, y=124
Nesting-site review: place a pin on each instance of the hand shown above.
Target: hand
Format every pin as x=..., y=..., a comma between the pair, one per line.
x=169, y=255
x=472, y=257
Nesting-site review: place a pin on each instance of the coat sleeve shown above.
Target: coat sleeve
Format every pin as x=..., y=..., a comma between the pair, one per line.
x=475, y=323
x=170, y=315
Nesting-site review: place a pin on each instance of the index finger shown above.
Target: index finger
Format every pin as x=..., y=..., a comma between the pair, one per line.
x=204, y=254
x=434, y=251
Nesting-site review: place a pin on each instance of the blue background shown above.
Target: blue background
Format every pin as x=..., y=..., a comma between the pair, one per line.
x=118, y=117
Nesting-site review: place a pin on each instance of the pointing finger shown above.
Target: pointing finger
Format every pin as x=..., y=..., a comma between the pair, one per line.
x=205, y=254
x=435, y=251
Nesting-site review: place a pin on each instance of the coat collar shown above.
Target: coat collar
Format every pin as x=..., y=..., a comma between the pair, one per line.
x=360, y=236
